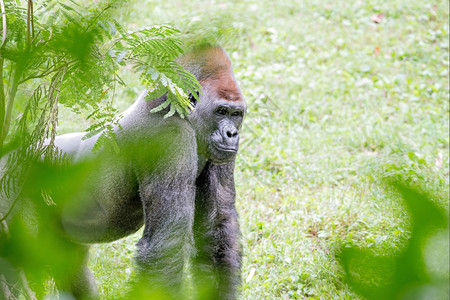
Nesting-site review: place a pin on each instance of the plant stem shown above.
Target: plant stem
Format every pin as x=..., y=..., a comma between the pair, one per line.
x=2, y=91
x=2, y=105
x=2, y=5
x=29, y=12
x=12, y=96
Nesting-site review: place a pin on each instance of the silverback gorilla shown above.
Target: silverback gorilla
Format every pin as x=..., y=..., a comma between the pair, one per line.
x=175, y=177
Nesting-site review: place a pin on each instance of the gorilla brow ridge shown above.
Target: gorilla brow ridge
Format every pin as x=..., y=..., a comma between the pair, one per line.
x=229, y=95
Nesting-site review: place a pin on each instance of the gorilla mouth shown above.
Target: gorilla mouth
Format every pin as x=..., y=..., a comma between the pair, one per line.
x=226, y=149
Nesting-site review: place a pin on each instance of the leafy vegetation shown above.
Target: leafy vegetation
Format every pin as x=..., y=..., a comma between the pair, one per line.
x=54, y=53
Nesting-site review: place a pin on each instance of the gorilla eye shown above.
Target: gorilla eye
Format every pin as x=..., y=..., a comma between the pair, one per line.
x=193, y=99
x=237, y=114
x=221, y=111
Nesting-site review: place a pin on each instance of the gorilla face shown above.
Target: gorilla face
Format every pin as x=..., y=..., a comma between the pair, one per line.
x=224, y=141
x=217, y=119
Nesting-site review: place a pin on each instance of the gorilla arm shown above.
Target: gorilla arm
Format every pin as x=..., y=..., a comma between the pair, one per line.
x=216, y=234
x=168, y=198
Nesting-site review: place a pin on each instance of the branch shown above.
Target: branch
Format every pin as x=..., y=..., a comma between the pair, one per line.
x=97, y=17
x=4, y=288
x=2, y=91
x=25, y=286
x=53, y=100
x=30, y=22
x=2, y=105
x=47, y=72
x=2, y=5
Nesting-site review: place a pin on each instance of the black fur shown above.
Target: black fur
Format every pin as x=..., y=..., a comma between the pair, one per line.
x=216, y=233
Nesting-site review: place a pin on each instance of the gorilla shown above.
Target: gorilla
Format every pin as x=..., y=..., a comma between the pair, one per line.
x=173, y=176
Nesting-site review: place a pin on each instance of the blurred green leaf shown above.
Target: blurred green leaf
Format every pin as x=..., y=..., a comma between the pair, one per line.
x=404, y=275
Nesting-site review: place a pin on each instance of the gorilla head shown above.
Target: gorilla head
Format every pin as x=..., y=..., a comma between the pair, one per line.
x=217, y=117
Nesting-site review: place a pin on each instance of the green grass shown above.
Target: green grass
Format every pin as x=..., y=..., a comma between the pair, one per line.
x=336, y=103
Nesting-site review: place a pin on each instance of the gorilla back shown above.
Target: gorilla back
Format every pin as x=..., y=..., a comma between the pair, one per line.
x=175, y=177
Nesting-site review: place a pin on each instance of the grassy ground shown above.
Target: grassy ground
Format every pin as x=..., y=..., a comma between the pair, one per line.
x=336, y=103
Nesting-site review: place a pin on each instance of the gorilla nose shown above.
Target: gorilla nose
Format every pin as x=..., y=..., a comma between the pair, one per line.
x=230, y=135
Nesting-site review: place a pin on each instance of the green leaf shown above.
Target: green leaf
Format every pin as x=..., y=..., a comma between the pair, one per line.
x=160, y=107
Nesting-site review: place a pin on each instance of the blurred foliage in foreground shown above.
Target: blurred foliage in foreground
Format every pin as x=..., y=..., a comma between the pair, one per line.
x=32, y=243
x=419, y=271
x=34, y=246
